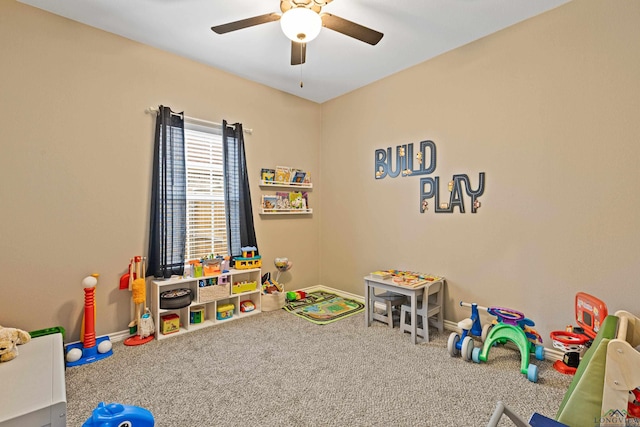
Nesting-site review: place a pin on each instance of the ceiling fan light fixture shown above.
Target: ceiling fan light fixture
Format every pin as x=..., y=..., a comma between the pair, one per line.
x=300, y=24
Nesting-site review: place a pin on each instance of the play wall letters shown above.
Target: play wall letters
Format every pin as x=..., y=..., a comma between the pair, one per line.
x=424, y=163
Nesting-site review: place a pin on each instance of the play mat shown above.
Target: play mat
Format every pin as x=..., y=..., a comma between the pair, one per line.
x=324, y=307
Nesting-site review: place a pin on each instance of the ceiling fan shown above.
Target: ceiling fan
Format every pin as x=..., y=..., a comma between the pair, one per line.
x=301, y=22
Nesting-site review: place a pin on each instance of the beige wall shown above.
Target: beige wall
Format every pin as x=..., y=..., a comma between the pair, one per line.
x=75, y=162
x=549, y=110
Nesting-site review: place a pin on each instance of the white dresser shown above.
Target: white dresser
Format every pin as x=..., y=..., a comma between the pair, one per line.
x=34, y=393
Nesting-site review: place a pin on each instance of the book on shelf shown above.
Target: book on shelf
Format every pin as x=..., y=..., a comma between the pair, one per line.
x=269, y=202
x=296, y=201
x=267, y=175
x=282, y=200
x=283, y=174
x=298, y=176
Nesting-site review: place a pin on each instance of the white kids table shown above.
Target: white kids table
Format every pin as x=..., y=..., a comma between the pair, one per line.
x=372, y=282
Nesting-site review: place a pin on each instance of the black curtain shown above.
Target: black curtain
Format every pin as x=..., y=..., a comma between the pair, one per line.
x=240, y=229
x=168, y=228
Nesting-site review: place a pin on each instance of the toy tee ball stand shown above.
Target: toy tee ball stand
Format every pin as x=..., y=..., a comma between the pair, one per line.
x=116, y=414
x=90, y=349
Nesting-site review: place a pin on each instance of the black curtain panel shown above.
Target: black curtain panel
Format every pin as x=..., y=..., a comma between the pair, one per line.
x=168, y=229
x=240, y=228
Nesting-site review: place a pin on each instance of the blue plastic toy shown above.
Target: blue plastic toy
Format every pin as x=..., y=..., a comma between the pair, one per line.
x=117, y=414
x=463, y=344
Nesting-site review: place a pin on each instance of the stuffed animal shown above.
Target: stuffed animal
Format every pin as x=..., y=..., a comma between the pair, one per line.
x=10, y=338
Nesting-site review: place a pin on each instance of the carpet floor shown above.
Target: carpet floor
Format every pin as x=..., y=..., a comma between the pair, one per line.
x=275, y=369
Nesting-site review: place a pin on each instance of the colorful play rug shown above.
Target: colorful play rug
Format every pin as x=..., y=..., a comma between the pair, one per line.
x=324, y=307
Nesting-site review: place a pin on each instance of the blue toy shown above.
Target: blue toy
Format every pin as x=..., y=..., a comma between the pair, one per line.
x=463, y=344
x=116, y=414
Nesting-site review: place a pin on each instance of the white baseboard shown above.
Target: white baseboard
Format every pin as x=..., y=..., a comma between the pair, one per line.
x=119, y=336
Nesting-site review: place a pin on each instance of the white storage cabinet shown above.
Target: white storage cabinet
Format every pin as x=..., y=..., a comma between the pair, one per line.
x=202, y=298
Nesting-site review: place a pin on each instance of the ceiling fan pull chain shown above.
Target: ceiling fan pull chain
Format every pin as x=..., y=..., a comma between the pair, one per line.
x=301, y=83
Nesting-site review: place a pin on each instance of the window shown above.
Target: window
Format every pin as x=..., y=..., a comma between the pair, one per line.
x=206, y=220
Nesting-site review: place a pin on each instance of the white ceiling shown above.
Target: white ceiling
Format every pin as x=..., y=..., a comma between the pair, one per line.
x=414, y=31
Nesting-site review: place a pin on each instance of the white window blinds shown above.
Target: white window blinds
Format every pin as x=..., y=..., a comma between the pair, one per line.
x=206, y=224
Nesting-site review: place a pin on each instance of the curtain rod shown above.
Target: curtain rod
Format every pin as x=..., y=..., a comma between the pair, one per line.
x=153, y=110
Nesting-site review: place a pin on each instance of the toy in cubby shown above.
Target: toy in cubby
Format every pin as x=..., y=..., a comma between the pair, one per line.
x=225, y=311
x=196, y=315
x=169, y=323
x=247, y=306
x=244, y=286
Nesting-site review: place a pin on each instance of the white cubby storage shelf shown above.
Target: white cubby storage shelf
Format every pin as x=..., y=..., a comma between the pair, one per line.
x=208, y=302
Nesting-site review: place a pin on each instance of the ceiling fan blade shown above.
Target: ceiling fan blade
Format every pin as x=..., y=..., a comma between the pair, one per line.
x=245, y=23
x=351, y=29
x=298, y=53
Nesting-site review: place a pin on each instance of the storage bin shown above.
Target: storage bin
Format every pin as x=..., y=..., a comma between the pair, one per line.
x=213, y=292
x=224, y=311
x=175, y=298
x=271, y=302
x=169, y=323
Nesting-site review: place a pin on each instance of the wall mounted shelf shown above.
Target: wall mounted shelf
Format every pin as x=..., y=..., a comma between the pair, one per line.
x=274, y=184
x=286, y=211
